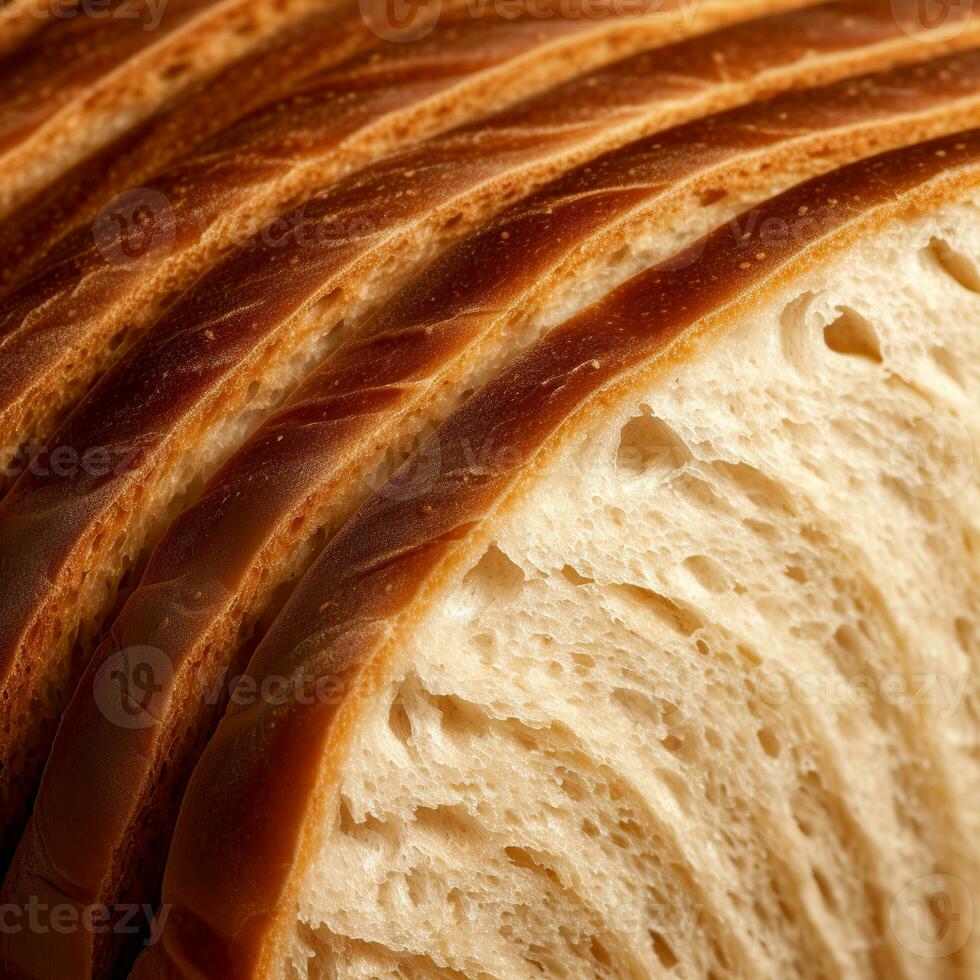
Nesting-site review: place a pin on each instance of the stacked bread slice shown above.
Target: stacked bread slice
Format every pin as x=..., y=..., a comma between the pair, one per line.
x=671, y=312
x=88, y=70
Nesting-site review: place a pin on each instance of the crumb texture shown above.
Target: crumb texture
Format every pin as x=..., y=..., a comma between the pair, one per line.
x=706, y=705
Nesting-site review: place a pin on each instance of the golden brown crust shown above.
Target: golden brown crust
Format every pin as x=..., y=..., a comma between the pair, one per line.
x=246, y=825
x=184, y=572
x=59, y=331
x=96, y=69
x=261, y=77
x=310, y=452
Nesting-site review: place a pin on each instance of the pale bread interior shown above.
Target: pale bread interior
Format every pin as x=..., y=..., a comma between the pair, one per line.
x=649, y=731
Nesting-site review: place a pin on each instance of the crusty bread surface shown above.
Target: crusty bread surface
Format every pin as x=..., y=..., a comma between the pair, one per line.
x=327, y=34
x=558, y=661
x=78, y=315
x=91, y=71
x=169, y=446
x=262, y=517
x=489, y=490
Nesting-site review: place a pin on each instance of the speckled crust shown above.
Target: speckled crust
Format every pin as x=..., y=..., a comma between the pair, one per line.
x=59, y=331
x=83, y=71
x=202, y=582
x=198, y=362
x=318, y=39
x=247, y=821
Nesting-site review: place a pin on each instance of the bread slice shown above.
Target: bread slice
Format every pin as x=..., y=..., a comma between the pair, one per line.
x=299, y=477
x=87, y=72
x=548, y=709
x=63, y=328
x=305, y=45
x=109, y=507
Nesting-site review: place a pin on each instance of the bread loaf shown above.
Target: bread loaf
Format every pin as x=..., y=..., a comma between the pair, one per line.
x=657, y=656
x=543, y=711
x=299, y=477
x=219, y=357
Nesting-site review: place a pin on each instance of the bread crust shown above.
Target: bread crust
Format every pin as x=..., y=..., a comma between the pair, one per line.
x=302, y=466
x=65, y=327
x=19, y=19
x=246, y=829
x=78, y=80
x=316, y=40
x=193, y=353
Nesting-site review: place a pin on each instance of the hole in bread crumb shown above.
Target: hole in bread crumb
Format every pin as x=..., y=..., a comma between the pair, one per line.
x=709, y=574
x=399, y=723
x=769, y=742
x=956, y=265
x=823, y=886
x=964, y=634
x=600, y=954
x=573, y=576
x=853, y=336
x=118, y=339
x=649, y=446
x=683, y=619
x=712, y=196
x=848, y=638
x=415, y=886
x=667, y=957
x=495, y=578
